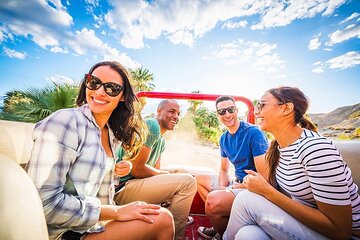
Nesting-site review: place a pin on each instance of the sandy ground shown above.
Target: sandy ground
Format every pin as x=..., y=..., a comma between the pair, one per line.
x=184, y=150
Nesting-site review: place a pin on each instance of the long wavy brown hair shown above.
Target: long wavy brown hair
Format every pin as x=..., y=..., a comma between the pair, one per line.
x=125, y=121
x=301, y=104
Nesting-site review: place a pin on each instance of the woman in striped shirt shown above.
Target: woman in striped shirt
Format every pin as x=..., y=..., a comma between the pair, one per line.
x=318, y=198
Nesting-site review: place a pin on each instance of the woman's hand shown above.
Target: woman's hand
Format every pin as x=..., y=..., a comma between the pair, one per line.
x=123, y=168
x=256, y=183
x=137, y=211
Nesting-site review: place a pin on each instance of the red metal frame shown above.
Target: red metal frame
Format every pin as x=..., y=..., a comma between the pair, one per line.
x=200, y=96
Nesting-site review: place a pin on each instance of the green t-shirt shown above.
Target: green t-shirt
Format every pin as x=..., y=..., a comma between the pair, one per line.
x=154, y=141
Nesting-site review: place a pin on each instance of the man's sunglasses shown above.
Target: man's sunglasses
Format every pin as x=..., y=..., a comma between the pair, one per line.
x=222, y=111
x=94, y=83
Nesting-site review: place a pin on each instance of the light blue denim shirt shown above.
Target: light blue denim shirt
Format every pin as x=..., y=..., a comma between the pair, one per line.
x=67, y=166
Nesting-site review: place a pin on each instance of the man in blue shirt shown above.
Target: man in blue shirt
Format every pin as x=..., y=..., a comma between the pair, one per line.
x=244, y=145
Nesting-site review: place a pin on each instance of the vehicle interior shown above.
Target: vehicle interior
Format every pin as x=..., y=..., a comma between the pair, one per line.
x=20, y=206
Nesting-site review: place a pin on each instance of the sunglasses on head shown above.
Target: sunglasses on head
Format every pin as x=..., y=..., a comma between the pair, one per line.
x=222, y=111
x=94, y=83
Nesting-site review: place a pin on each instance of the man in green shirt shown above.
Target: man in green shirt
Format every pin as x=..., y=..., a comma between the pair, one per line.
x=147, y=182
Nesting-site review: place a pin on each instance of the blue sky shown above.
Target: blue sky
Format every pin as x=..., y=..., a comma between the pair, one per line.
x=222, y=47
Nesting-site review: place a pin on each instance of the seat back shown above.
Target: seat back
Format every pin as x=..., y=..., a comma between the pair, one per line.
x=16, y=140
x=21, y=211
x=350, y=151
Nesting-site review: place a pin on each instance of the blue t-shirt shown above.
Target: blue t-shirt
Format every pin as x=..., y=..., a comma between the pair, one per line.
x=242, y=146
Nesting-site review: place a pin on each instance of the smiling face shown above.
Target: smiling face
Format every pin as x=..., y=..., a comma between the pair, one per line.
x=100, y=103
x=230, y=120
x=168, y=115
x=270, y=117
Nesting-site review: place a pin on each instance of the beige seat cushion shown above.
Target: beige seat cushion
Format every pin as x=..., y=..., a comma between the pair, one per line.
x=22, y=216
x=16, y=140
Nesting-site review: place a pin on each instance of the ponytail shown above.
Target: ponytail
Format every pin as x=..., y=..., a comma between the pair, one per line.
x=272, y=157
x=308, y=124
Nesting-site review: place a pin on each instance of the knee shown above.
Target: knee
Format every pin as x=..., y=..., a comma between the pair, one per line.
x=190, y=182
x=247, y=203
x=165, y=222
x=246, y=199
x=213, y=203
x=200, y=180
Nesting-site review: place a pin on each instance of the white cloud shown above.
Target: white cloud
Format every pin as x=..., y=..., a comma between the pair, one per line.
x=318, y=69
x=314, y=44
x=354, y=15
x=282, y=13
x=259, y=56
x=331, y=6
x=57, y=49
x=99, y=21
x=339, y=36
x=41, y=21
x=184, y=21
x=347, y=60
x=265, y=49
x=14, y=54
x=94, y=3
x=85, y=41
x=59, y=79
x=48, y=24
x=2, y=36
x=233, y=25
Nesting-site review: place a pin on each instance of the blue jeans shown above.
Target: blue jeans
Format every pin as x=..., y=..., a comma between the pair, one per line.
x=254, y=217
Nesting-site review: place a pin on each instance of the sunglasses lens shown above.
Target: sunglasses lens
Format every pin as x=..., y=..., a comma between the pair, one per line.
x=92, y=82
x=221, y=111
x=113, y=89
x=260, y=106
x=231, y=110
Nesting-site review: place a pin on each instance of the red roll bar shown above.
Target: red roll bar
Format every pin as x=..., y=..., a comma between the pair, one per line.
x=200, y=96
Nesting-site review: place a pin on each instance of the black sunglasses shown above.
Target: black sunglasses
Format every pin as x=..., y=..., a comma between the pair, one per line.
x=260, y=105
x=94, y=83
x=222, y=111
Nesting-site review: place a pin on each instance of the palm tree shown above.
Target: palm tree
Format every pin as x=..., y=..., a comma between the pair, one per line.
x=143, y=79
x=212, y=120
x=194, y=104
x=34, y=104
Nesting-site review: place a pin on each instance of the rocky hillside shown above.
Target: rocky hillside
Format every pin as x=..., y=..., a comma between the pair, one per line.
x=341, y=122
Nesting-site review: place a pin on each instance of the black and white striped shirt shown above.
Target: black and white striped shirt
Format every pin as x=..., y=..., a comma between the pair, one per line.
x=311, y=169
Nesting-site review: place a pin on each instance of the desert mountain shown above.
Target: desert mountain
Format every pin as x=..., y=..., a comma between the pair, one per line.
x=343, y=120
x=346, y=117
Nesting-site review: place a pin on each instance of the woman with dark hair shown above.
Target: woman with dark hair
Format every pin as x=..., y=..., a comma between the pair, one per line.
x=318, y=198
x=73, y=163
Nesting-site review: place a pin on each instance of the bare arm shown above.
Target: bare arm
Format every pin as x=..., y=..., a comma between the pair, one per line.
x=261, y=166
x=158, y=163
x=140, y=169
x=224, y=172
x=333, y=221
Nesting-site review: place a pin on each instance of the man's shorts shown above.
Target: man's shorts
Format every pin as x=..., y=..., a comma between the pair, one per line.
x=215, y=185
